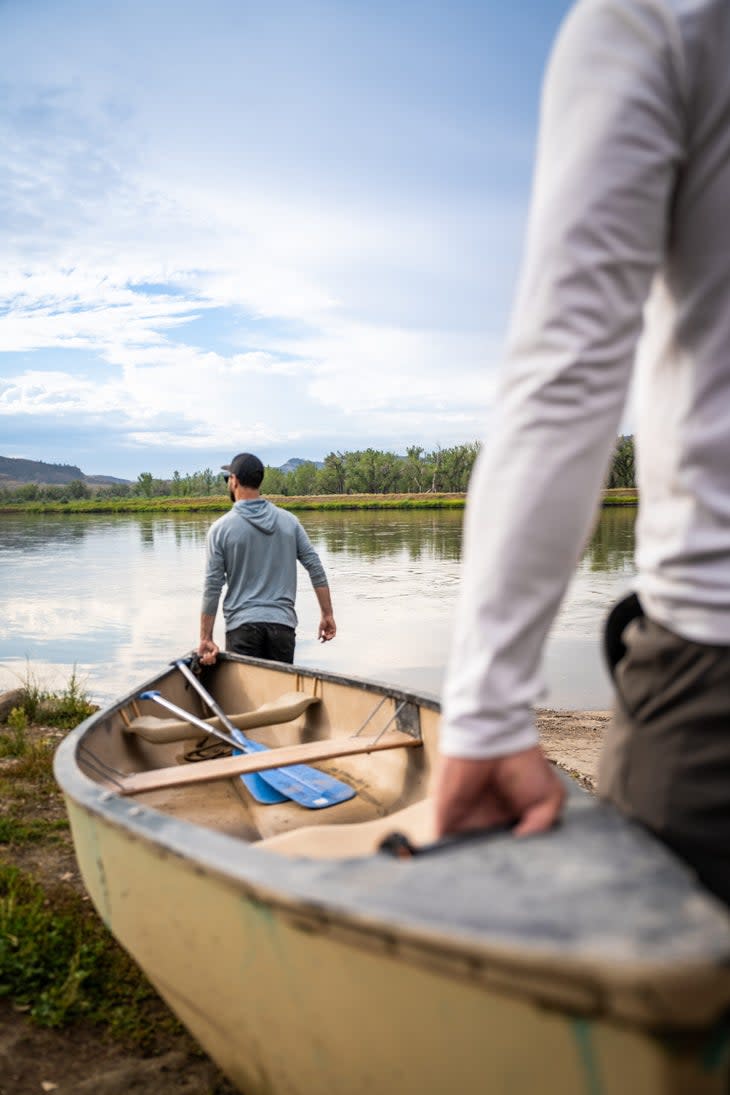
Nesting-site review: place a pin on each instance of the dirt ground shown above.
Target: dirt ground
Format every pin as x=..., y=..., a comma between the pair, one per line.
x=79, y=1061
x=572, y=740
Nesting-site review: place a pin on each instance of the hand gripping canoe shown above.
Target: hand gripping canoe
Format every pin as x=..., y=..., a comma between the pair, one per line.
x=301, y=783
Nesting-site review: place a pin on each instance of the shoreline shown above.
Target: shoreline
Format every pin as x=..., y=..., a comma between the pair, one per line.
x=617, y=496
x=572, y=740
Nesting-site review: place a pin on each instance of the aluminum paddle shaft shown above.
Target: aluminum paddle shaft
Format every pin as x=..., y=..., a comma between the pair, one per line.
x=301, y=783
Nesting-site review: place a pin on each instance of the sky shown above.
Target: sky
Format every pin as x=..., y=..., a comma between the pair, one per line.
x=286, y=228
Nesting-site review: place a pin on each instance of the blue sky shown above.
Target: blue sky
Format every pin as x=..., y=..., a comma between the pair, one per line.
x=282, y=227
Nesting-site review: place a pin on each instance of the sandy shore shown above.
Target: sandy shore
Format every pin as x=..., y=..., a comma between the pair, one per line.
x=572, y=740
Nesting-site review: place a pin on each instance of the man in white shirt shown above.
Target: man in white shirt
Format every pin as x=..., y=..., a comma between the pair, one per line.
x=630, y=205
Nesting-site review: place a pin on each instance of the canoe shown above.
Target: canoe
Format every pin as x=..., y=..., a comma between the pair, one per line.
x=339, y=950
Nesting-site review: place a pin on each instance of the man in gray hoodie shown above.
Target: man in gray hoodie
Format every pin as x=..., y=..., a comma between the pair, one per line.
x=253, y=551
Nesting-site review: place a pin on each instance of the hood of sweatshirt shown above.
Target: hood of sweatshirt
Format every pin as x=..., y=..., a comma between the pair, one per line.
x=259, y=513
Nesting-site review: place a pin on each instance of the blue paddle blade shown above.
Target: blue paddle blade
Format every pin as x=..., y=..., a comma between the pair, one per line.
x=259, y=789
x=307, y=786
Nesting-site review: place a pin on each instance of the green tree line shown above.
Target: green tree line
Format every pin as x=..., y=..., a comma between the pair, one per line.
x=365, y=471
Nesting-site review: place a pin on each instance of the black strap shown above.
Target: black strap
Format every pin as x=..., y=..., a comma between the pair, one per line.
x=400, y=847
x=620, y=616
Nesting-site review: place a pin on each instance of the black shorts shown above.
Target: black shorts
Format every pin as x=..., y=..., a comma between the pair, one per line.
x=274, y=642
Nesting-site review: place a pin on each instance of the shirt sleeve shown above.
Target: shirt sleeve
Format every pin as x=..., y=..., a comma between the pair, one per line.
x=215, y=572
x=611, y=143
x=309, y=558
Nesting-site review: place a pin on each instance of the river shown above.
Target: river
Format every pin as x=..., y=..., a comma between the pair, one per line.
x=117, y=597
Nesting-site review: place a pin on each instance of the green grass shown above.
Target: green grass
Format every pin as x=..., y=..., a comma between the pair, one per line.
x=214, y=504
x=63, y=708
x=31, y=777
x=29, y=780
x=17, y=831
x=27, y=786
x=220, y=503
x=13, y=740
x=58, y=962
x=621, y=496
x=372, y=502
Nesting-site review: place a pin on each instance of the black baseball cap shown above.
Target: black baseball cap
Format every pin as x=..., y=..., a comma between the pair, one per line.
x=247, y=468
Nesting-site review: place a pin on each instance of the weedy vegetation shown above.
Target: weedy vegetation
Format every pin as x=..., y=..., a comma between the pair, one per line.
x=64, y=708
x=58, y=962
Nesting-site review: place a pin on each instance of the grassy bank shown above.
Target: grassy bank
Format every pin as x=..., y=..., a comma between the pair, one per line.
x=220, y=503
x=620, y=496
x=59, y=966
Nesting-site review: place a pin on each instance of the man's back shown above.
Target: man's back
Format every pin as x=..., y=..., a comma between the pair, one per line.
x=256, y=546
x=260, y=558
x=254, y=550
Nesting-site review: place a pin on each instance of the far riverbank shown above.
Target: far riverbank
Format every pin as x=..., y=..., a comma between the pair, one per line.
x=220, y=503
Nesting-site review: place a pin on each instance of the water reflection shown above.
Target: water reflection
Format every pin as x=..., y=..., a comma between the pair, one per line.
x=34, y=533
x=611, y=547
x=374, y=534
x=118, y=596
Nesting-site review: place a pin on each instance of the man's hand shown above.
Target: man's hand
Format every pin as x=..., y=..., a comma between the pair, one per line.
x=327, y=627
x=477, y=794
x=208, y=651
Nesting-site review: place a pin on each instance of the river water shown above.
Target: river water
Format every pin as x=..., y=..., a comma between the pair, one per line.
x=117, y=597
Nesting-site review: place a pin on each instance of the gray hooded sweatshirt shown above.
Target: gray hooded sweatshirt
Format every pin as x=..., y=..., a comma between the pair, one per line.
x=253, y=550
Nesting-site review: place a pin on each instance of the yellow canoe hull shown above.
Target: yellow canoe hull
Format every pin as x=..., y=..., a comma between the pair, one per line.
x=294, y=994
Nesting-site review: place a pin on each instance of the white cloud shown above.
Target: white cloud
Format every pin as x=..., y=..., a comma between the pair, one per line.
x=35, y=393
x=219, y=293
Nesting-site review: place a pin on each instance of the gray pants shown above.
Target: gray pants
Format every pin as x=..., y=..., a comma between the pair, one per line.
x=666, y=758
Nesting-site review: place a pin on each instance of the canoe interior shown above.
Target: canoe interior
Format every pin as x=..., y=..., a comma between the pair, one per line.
x=398, y=782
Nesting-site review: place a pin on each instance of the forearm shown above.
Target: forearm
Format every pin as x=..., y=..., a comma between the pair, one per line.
x=207, y=622
x=325, y=600
x=327, y=627
x=531, y=504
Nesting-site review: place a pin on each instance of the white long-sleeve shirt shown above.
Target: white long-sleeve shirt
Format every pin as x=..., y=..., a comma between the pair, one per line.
x=631, y=194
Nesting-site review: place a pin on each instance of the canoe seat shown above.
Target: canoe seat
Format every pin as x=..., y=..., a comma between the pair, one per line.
x=284, y=708
x=357, y=839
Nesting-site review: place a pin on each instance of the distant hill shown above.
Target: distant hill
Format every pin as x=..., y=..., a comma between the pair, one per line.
x=296, y=462
x=14, y=472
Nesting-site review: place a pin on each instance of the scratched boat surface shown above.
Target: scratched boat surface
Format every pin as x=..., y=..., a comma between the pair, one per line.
x=306, y=960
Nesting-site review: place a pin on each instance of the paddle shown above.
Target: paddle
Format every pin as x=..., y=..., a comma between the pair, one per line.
x=308, y=786
x=258, y=787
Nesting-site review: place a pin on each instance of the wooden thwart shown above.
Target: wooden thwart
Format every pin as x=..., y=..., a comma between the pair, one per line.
x=227, y=767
